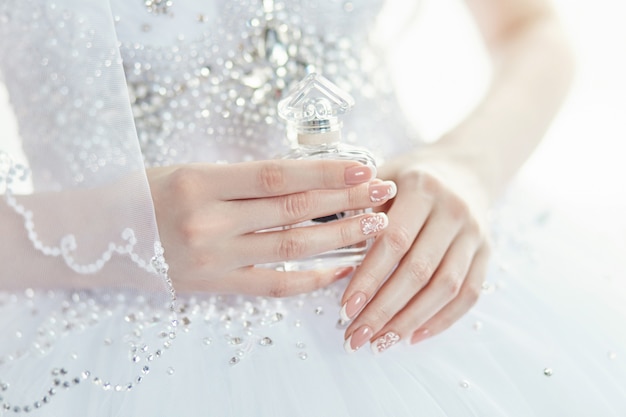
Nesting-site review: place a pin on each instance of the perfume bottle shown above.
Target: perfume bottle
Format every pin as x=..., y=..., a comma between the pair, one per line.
x=313, y=111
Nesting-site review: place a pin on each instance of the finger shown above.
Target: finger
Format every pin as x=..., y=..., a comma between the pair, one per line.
x=468, y=295
x=407, y=216
x=443, y=288
x=413, y=274
x=280, y=177
x=271, y=283
x=267, y=213
x=302, y=242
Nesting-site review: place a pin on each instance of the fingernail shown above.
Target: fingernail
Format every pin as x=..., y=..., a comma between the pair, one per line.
x=357, y=339
x=359, y=174
x=374, y=223
x=420, y=335
x=343, y=272
x=385, y=342
x=382, y=191
x=353, y=306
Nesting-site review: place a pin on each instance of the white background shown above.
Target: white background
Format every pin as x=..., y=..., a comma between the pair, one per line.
x=580, y=166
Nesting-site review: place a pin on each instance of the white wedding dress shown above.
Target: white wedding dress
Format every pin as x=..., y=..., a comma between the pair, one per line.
x=102, y=89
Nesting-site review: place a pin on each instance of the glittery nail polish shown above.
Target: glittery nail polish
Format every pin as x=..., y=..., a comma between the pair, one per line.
x=385, y=342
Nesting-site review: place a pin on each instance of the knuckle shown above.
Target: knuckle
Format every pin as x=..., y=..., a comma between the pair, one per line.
x=189, y=231
x=346, y=234
x=381, y=314
x=398, y=239
x=279, y=289
x=419, y=273
x=474, y=227
x=458, y=209
x=451, y=283
x=369, y=279
x=354, y=197
x=292, y=246
x=296, y=206
x=471, y=294
x=422, y=181
x=183, y=181
x=271, y=178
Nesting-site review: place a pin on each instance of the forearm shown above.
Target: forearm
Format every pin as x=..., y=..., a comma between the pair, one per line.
x=532, y=72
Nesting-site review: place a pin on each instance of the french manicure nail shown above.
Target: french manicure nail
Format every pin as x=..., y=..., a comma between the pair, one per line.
x=357, y=339
x=343, y=272
x=420, y=335
x=385, y=342
x=353, y=306
x=374, y=223
x=359, y=174
x=382, y=191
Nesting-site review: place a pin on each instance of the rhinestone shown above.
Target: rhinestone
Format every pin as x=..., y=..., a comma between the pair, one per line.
x=170, y=371
x=207, y=341
x=303, y=355
x=465, y=384
x=300, y=345
x=488, y=288
x=319, y=311
x=234, y=360
x=548, y=371
x=342, y=324
x=266, y=341
x=478, y=325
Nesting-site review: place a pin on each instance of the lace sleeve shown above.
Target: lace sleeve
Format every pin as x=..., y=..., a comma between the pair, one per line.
x=89, y=221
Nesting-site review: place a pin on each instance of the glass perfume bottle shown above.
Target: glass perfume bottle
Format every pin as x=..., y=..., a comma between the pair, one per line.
x=313, y=111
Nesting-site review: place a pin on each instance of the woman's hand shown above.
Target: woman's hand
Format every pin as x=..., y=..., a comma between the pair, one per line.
x=436, y=237
x=209, y=215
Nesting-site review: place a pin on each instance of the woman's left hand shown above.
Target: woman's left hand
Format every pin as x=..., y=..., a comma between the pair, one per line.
x=436, y=237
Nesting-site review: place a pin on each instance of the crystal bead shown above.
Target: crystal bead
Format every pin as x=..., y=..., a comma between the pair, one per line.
x=266, y=341
x=548, y=371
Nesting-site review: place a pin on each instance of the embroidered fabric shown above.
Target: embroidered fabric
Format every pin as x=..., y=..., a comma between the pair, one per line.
x=102, y=89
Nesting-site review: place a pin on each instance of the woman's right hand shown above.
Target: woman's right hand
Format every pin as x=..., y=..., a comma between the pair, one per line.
x=209, y=215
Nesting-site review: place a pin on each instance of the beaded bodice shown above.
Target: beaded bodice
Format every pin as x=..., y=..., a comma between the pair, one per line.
x=205, y=77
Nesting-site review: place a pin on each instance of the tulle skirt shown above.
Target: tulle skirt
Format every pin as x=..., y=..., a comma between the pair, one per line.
x=547, y=338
